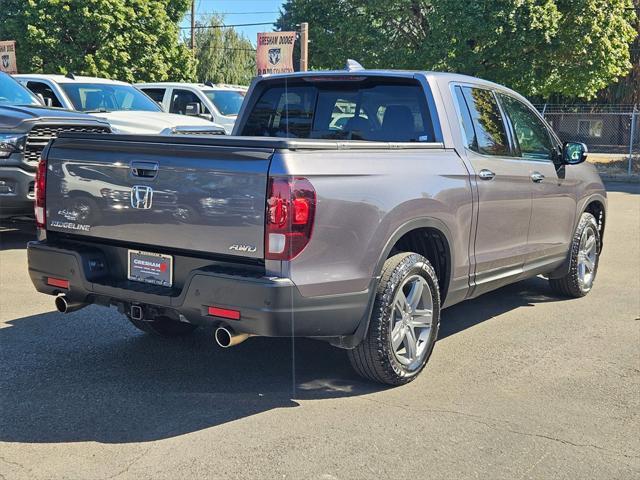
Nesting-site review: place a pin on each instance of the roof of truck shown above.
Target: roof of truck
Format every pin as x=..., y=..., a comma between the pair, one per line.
x=70, y=79
x=201, y=86
x=442, y=76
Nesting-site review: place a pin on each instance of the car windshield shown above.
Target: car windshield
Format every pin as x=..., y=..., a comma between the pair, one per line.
x=228, y=102
x=12, y=93
x=102, y=97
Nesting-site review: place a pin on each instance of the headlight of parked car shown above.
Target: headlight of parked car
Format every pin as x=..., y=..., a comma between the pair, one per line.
x=11, y=143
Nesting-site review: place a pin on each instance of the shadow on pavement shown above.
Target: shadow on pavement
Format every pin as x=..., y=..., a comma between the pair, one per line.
x=622, y=187
x=89, y=376
x=472, y=312
x=14, y=234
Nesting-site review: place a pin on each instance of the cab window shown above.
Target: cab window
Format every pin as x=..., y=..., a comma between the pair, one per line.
x=362, y=109
x=531, y=133
x=46, y=92
x=489, y=133
x=156, y=94
x=181, y=98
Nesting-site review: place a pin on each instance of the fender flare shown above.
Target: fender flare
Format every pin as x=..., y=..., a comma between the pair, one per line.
x=352, y=341
x=563, y=269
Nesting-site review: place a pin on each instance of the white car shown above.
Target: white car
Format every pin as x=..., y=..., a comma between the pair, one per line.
x=219, y=103
x=125, y=108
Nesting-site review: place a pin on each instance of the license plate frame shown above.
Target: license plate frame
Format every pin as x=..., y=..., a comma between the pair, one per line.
x=151, y=268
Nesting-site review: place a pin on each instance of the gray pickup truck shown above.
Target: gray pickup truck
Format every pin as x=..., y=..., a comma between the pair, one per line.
x=26, y=126
x=349, y=206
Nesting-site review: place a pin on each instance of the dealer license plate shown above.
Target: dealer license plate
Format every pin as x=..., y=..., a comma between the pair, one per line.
x=149, y=267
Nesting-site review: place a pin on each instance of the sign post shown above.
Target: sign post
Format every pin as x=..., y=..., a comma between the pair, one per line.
x=275, y=52
x=8, y=57
x=304, y=46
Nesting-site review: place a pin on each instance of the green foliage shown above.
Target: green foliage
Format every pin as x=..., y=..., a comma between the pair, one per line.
x=223, y=55
x=539, y=47
x=131, y=40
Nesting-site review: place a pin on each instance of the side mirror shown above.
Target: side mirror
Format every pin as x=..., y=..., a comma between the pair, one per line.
x=47, y=102
x=574, y=153
x=192, y=109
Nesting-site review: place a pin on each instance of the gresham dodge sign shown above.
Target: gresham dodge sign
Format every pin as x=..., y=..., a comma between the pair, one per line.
x=275, y=52
x=8, y=57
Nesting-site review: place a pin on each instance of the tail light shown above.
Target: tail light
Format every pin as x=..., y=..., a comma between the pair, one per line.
x=291, y=207
x=40, y=188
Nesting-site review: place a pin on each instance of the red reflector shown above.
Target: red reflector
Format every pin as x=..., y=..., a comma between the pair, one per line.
x=58, y=282
x=224, y=313
x=300, y=211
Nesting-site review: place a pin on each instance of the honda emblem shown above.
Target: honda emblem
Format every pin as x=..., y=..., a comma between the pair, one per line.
x=141, y=196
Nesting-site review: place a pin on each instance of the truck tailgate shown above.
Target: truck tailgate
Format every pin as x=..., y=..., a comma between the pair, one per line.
x=161, y=194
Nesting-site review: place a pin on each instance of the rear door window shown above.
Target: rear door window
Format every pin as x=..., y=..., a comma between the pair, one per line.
x=156, y=94
x=372, y=109
x=490, y=136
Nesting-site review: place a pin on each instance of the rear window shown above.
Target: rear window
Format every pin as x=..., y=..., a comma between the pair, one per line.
x=365, y=110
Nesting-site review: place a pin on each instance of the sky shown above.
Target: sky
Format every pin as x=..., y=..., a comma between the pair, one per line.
x=239, y=11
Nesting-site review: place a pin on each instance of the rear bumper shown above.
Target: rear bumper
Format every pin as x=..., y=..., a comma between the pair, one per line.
x=268, y=306
x=16, y=191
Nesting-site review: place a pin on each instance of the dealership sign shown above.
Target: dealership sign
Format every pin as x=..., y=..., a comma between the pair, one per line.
x=275, y=52
x=8, y=56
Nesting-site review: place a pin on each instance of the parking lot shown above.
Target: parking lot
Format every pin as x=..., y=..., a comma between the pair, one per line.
x=521, y=384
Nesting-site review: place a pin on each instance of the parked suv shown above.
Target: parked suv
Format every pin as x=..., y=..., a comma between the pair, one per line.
x=125, y=108
x=26, y=126
x=435, y=189
x=219, y=103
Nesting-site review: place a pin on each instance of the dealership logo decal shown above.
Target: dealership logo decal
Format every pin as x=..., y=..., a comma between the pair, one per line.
x=275, y=54
x=141, y=197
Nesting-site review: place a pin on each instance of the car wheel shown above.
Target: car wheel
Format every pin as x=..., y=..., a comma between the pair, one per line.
x=404, y=323
x=163, y=326
x=583, y=263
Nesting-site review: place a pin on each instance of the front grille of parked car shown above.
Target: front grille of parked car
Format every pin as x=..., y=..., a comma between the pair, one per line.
x=40, y=135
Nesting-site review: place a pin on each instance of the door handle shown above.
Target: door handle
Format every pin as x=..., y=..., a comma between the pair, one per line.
x=485, y=174
x=537, y=177
x=144, y=169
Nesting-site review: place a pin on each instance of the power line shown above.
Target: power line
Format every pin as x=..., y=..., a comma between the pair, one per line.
x=228, y=26
x=234, y=13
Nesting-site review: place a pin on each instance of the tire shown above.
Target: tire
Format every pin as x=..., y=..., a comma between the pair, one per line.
x=379, y=357
x=583, y=261
x=163, y=327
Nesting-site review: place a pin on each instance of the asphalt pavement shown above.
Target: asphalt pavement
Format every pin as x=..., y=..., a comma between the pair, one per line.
x=521, y=385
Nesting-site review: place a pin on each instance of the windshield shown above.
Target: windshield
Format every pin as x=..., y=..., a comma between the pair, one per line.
x=101, y=97
x=228, y=102
x=12, y=93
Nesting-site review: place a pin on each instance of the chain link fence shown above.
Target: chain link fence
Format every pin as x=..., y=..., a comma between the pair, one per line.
x=611, y=133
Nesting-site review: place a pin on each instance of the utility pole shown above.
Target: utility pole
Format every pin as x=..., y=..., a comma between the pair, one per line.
x=193, y=26
x=304, y=46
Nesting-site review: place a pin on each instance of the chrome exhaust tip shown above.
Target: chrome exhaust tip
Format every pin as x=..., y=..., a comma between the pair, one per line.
x=63, y=305
x=226, y=337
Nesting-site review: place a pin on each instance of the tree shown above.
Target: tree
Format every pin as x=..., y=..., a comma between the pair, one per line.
x=131, y=40
x=223, y=55
x=539, y=47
